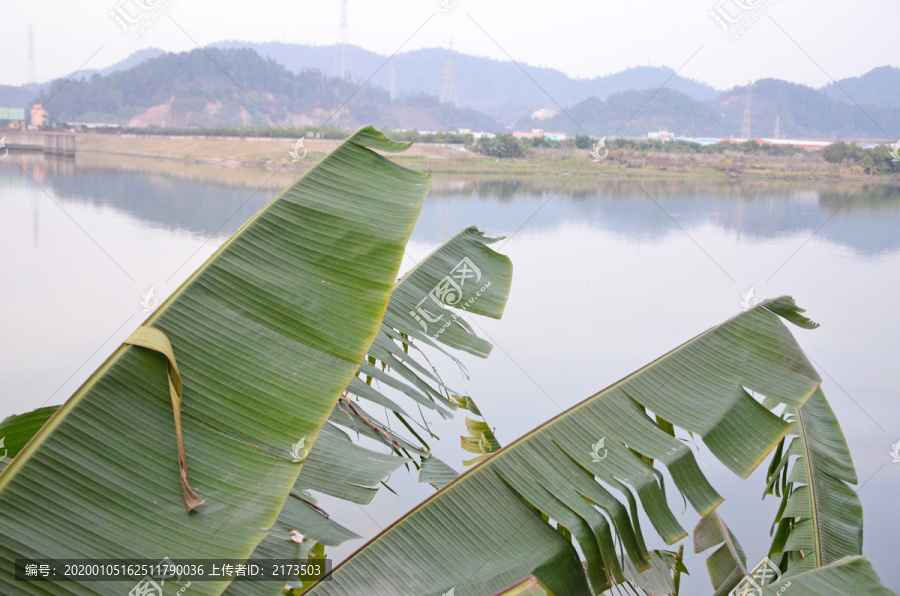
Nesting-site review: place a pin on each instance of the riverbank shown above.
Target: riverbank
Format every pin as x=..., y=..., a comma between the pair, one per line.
x=237, y=152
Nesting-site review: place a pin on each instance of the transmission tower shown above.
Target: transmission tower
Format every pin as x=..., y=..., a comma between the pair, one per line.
x=31, y=70
x=448, y=95
x=745, y=129
x=777, y=127
x=393, y=86
x=341, y=58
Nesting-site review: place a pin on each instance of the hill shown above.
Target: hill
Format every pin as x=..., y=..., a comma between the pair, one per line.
x=803, y=112
x=878, y=87
x=290, y=83
x=495, y=87
x=240, y=88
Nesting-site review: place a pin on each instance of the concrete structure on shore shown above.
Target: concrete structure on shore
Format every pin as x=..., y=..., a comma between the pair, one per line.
x=50, y=143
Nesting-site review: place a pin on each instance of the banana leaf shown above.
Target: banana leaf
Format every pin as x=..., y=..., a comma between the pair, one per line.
x=488, y=529
x=479, y=282
x=820, y=519
x=336, y=466
x=848, y=576
x=264, y=338
x=427, y=308
x=728, y=563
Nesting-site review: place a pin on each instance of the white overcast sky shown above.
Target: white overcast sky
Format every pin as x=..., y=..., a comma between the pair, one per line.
x=582, y=39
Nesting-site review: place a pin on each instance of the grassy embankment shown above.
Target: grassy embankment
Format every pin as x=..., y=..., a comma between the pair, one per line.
x=236, y=152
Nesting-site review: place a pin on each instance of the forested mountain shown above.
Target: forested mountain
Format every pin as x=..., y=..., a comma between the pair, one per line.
x=239, y=88
x=879, y=87
x=495, y=87
x=633, y=113
x=293, y=86
x=802, y=112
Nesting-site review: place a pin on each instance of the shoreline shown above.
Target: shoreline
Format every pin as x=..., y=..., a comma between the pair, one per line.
x=273, y=153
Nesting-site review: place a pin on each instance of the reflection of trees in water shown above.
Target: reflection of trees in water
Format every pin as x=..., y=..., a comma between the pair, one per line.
x=586, y=187
x=193, y=198
x=222, y=174
x=762, y=210
x=878, y=198
x=200, y=207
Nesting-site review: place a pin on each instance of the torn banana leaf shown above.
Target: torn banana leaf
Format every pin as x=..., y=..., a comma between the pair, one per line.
x=849, y=576
x=820, y=519
x=728, y=563
x=266, y=334
x=427, y=308
x=463, y=273
x=488, y=529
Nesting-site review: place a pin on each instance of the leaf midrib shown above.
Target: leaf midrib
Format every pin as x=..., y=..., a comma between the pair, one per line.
x=813, y=500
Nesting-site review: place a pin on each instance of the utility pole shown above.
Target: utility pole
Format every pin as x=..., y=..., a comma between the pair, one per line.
x=341, y=58
x=31, y=70
x=448, y=95
x=393, y=86
x=745, y=129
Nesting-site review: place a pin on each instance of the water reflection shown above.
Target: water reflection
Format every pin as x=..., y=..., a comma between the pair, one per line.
x=604, y=282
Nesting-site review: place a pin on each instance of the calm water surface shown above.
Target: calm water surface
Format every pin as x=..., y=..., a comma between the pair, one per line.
x=606, y=279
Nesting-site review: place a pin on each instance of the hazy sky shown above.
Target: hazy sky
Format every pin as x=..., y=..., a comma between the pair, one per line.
x=583, y=39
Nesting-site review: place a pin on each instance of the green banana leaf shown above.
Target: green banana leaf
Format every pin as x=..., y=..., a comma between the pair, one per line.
x=266, y=335
x=820, y=519
x=463, y=275
x=849, y=576
x=17, y=430
x=338, y=467
x=486, y=530
x=728, y=563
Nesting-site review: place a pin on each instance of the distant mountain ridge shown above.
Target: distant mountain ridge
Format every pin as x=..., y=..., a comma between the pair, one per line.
x=189, y=89
x=497, y=88
x=293, y=84
x=880, y=86
x=801, y=112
